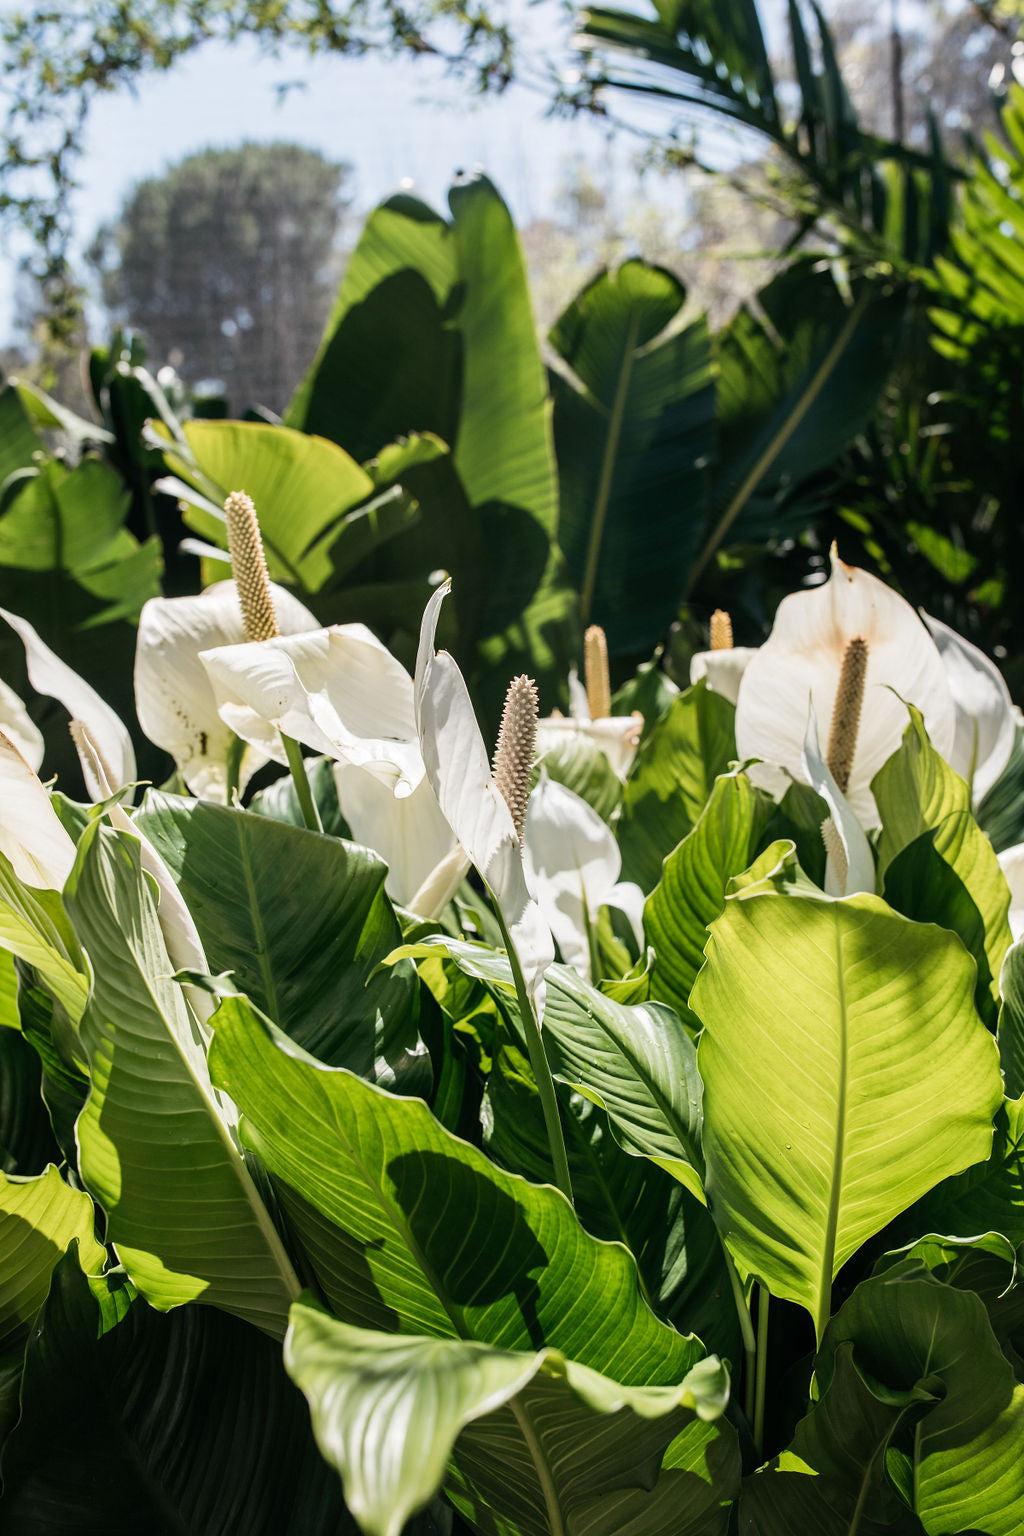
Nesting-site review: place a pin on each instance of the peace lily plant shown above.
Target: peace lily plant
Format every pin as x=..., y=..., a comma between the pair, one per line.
x=308, y=1094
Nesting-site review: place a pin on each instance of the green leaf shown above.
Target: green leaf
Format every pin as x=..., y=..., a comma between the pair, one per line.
x=409, y=1229
x=988, y=1197
x=20, y=447
x=26, y=1139
x=634, y=430
x=1001, y=813
x=280, y=801
x=388, y=1411
x=672, y=779
x=35, y=929
x=303, y=949
x=1010, y=1033
x=64, y=519
x=845, y=1074
x=935, y=863
x=168, y=1424
x=157, y=1144
x=691, y=893
x=40, y=1218
x=637, y=1062
x=302, y=488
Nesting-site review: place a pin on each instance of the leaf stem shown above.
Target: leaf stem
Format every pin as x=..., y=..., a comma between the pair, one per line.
x=539, y=1063
x=763, y=1299
x=307, y=805
x=746, y=1331
x=233, y=763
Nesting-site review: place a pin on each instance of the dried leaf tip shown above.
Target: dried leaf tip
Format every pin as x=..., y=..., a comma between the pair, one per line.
x=721, y=631
x=595, y=673
x=249, y=567
x=842, y=737
x=513, y=755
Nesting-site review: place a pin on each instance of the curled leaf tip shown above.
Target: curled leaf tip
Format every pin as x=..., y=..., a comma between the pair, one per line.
x=517, y=740
x=249, y=567
x=842, y=738
x=721, y=631
x=595, y=672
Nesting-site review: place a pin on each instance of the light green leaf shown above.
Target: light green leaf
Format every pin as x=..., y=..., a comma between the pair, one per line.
x=691, y=893
x=672, y=779
x=157, y=1143
x=302, y=487
x=845, y=1074
x=303, y=949
x=935, y=863
x=39, y=1220
x=409, y=1229
x=1010, y=1033
x=988, y=1197
x=388, y=1410
x=34, y=928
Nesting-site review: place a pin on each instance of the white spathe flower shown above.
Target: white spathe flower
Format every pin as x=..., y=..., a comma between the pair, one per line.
x=985, y=724
x=618, y=736
x=723, y=669
x=424, y=859
x=573, y=863
x=1011, y=862
x=174, y=697
x=457, y=766
x=32, y=835
x=800, y=663
x=337, y=690
x=53, y=677
x=18, y=727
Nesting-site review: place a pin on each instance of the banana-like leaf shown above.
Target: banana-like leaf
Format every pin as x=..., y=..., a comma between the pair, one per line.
x=634, y=435
x=691, y=892
x=845, y=1074
x=935, y=863
x=157, y=1143
x=636, y=1061
x=389, y=1409
x=302, y=487
x=409, y=1229
x=168, y=1424
x=303, y=949
x=672, y=779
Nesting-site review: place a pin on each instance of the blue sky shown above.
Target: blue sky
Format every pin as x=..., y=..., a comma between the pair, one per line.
x=395, y=120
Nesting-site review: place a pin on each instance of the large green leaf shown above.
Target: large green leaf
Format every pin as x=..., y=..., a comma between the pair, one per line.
x=19, y=443
x=389, y=1409
x=935, y=863
x=26, y=1139
x=672, y=780
x=636, y=1061
x=1010, y=1033
x=177, y=1424
x=39, y=1220
x=35, y=929
x=845, y=1073
x=303, y=488
x=63, y=519
x=304, y=948
x=408, y=1228
x=988, y=1197
x=691, y=892
x=634, y=435
x=157, y=1143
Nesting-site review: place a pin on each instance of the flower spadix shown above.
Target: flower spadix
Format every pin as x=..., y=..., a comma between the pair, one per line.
x=617, y=736
x=801, y=663
x=470, y=799
x=725, y=663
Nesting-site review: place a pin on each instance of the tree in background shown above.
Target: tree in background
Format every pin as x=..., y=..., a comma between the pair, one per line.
x=227, y=264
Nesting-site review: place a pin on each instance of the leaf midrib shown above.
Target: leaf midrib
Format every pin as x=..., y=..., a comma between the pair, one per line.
x=832, y=1225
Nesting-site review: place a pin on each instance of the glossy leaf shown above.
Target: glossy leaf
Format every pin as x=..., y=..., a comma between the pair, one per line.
x=40, y=1218
x=157, y=1143
x=845, y=1074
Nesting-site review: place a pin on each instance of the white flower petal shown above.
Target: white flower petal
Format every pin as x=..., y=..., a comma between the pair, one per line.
x=984, y=710
x=18, y=727
x=337, y=690
x=572, y=862
x=49, y=675
x=410, y=833
x=629, y=898
x=860, y=863
x=618, y=736
x=579, y=704
x=800, y=663
x=460, y=775
x=32, y=836
x=723, y=669
x=1011, y=862
x=174, y=699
